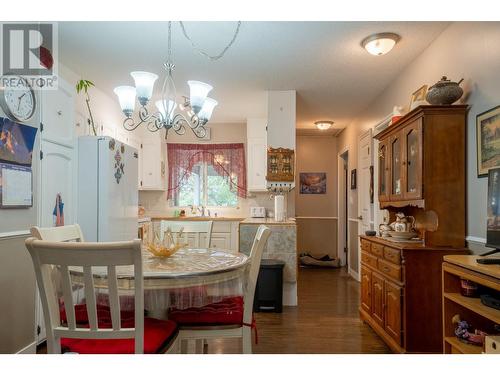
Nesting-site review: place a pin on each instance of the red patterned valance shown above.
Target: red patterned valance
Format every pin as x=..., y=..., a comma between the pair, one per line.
x=227, y=159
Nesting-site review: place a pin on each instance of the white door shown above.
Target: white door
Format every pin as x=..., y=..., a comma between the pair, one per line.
x=365, y=162
x=57, y=177
x=58, y=172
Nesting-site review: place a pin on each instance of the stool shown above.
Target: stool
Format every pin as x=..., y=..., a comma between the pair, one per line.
x=269, y=288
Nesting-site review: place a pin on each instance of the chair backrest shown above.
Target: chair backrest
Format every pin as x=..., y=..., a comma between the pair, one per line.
x=259, y=243
x=199, y=231
x=66, y=233
x=63, y=255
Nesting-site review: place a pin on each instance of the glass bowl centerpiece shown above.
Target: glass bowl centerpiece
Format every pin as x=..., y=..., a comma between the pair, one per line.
x=166, y=247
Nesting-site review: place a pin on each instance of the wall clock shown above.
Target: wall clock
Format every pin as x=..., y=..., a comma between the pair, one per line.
x=17, y=99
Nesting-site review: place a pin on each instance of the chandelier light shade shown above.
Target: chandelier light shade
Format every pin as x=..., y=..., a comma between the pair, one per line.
x=166, y=111
x=323, y=125
x=126, y=97
x=207, y=109
x=381, y=43
x=195, y=111
x=198, y=92
x=144, y=83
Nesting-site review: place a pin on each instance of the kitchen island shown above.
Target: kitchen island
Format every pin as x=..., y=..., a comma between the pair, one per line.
x=281, y=245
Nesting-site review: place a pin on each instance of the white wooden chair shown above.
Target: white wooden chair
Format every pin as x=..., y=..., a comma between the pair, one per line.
x=199, y=231
x=243, y=331
x=67, y=233
x=64, y=255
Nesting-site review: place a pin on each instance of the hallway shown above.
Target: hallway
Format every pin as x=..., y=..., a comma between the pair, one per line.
x=326, y=320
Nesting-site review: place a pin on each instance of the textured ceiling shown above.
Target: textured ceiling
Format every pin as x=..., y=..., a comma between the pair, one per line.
x=334, y=77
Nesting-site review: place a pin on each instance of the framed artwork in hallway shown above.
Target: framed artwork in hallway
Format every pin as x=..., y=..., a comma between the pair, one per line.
x=313, y=183
x=488, y=141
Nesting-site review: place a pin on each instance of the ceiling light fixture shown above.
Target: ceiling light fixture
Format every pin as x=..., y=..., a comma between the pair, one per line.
x=323, y=125
x=198, y=107
x=381, y=43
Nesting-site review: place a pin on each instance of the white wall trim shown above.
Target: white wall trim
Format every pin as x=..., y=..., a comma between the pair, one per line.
x=476, y=239
x=354, y=274
x=317, y=217
x=17, y=233
x=30, y=349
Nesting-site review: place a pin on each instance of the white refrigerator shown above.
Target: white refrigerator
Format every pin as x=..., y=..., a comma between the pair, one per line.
x=107, y=189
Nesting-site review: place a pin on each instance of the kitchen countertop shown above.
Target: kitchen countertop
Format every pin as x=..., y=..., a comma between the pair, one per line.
x=268, y=221
x=197, y=218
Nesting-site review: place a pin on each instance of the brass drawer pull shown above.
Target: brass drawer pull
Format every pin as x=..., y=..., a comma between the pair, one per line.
x=386, y=269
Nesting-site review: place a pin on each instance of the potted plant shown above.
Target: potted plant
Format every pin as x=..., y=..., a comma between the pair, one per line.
x=83, y=85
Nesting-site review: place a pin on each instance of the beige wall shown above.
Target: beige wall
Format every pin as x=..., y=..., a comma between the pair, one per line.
x=469, y=50
x=17, y=296
x=316, y=213
x=156, y=202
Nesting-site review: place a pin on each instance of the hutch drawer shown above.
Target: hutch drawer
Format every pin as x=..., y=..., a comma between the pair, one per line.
x=369, y=259
x=392, y=255
x=389, y=269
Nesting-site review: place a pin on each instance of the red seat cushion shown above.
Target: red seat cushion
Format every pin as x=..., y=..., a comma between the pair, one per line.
x=227, y=311
x=103, y=315
x=157, y=335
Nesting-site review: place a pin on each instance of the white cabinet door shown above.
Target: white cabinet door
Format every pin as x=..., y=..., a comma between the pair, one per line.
x=57, y=110
x=257, y=164
x=221, y=241
x=136, y=143
x=153, y=165
x=257, y=153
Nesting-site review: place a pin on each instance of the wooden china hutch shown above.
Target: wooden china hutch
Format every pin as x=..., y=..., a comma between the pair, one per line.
x=422, y=173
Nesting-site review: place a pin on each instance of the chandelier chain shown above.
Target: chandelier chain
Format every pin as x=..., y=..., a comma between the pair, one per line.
x=203, y=53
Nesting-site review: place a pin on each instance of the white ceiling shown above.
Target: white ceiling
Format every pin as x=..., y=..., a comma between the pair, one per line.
x=334, y=77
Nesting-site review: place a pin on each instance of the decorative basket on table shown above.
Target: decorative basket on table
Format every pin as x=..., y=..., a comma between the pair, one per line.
x=163, y=248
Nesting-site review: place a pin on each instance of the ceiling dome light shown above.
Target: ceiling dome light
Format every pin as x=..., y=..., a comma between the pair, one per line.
x=323, y=125
x=381, y=43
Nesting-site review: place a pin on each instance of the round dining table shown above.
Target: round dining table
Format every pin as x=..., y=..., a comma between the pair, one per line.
x=192, y=277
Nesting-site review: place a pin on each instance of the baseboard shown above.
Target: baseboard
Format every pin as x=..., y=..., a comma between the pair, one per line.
x=30, y=349
x=476, y=239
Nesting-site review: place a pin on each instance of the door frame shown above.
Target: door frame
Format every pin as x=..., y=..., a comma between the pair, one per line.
x=360, y=184
x=342, y=207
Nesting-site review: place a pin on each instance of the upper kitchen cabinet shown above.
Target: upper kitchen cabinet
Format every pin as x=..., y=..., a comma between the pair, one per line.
x=57, y=114
x=152, y=157
x=422, y=165
x=257, y=151
x=281, y=119
x=281, y=139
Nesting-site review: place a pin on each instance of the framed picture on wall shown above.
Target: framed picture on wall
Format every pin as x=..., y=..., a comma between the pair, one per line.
x=488, y=141
x=353, y=179
x=313, y=183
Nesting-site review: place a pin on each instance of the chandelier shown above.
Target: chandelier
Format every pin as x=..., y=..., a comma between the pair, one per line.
x=196, y=110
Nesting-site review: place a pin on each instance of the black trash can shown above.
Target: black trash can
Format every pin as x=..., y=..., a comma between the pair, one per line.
x=269, y=288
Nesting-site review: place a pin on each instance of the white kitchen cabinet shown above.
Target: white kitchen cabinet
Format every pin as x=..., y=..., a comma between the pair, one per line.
x=281, y=119
x=136, y=143
x=57, y=111
x=257, y=154
x=152, y=165
x=225, y=235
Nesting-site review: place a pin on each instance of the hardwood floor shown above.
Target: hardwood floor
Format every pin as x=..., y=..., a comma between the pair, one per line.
x=326, y=320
